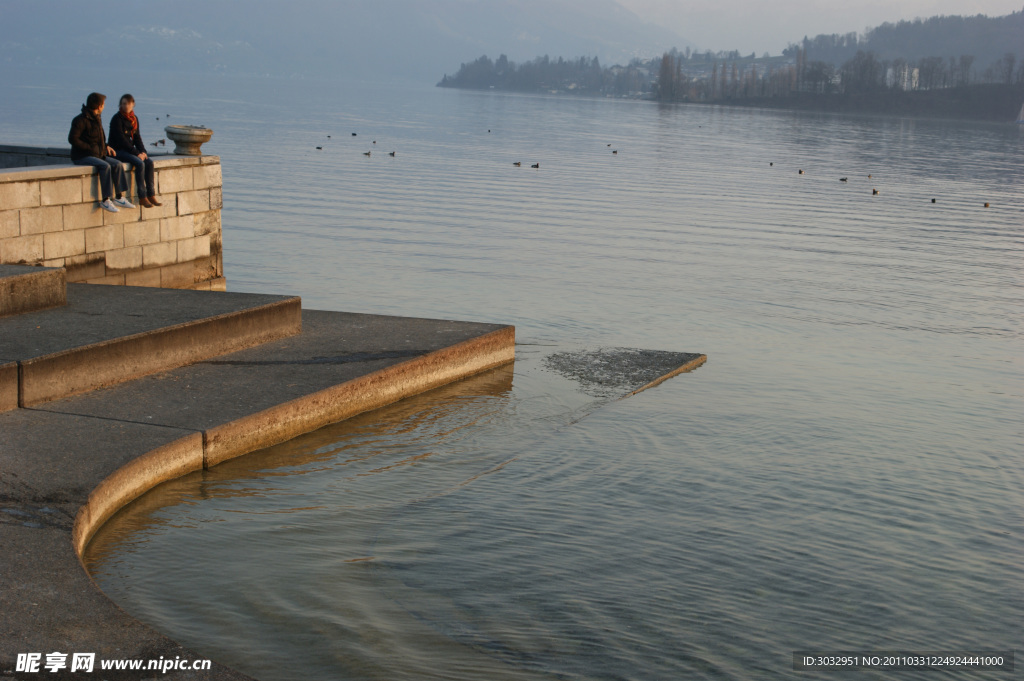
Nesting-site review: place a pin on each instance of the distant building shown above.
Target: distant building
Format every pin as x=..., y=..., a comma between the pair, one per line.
x=902, y=77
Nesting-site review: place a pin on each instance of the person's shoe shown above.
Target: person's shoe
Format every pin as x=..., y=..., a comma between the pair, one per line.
x=124, y=202
x=108, y=206
x=153, y=201
x=144, y=202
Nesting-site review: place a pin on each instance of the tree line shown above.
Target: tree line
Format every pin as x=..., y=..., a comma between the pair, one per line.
x=864, y=73
x=805, y=75
x=578, y=76
x=986, y=38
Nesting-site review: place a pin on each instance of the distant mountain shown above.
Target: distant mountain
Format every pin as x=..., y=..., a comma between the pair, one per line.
x=985, y=38
x=412, y=39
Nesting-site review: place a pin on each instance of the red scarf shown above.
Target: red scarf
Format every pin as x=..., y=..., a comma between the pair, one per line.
x=133, y=120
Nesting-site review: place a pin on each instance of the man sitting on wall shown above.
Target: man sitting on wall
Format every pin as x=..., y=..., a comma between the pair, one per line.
x=89, y=148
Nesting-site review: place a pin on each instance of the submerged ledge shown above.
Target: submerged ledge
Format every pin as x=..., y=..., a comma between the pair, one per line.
x=70, y=464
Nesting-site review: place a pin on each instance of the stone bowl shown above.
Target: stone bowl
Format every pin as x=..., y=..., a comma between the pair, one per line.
x=188, y=138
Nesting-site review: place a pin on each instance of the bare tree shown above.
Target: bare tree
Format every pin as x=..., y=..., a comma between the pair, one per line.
x=965, y=68
x=1005, y=66
x=932, y=72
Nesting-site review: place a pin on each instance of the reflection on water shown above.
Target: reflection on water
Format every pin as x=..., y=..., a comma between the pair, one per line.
x=844, y=473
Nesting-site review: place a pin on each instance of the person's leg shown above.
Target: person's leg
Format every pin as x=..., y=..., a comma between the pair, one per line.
x=106, y=191
x=117, y=175
x=138, y=167
x=150, y=178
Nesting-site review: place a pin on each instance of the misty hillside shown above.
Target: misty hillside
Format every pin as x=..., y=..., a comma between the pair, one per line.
x=986, y=38
x=413, y=39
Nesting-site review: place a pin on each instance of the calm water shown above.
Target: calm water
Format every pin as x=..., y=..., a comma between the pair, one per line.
x=844, y=472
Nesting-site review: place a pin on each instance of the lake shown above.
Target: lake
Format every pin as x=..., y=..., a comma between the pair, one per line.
x=843, y=474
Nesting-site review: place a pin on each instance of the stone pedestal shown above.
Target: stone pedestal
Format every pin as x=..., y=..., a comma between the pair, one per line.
x=188, y=138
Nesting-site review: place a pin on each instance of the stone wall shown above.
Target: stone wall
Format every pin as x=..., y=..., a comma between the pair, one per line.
x=20, y=157
x=50, y=215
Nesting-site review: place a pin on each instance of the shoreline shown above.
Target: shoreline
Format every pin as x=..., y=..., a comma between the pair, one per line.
x=924, y=104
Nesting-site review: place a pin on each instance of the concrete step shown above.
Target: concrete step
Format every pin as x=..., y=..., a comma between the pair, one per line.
x=342, y=364
x=26, y=289
x=68, y=465
x=106, y=335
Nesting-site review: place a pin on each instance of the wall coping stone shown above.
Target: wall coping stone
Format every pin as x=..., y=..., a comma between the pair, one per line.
x=49, y=172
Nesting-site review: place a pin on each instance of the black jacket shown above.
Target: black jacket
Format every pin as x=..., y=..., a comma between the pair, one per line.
x=86, y=136
x=123, y=138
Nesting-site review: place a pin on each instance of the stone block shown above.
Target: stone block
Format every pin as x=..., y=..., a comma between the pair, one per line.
x=219, y=284
x=85, y=267
x=159, y=254
x=91, y=187
x=194, y=248
x=109, y=280
x=47, y=172
x=206, y=268
x=177, y=276
x=99, y=239
x=9, y=224
x=63, y=244
x=168, y=209
x=141, y=233
x=42, y=220
x=25, y=249
x=193, y=202
x=149, y=278
x=60, y=192
x=206, y=176
x=216, y=198
x=207, y=223
x=174, y=180
x=172, y=229
x=172, y=161
x=124, y=259
x=82, y=215
x=14, y=195
x=55, y=262
x=122, y=216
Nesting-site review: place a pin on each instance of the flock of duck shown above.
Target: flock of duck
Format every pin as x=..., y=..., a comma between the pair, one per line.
x=874, y=191
x=365, y=153
x=518, y=164
x=161, y=142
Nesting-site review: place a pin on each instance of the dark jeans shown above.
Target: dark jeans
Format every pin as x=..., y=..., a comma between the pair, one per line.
x=111, y=171
x=144, y=181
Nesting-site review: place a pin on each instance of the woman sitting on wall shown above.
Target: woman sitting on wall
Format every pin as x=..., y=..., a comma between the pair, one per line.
x=89, y=148
x=127, y=142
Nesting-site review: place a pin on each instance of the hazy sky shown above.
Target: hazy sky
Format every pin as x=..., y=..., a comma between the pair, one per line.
x=766, y=25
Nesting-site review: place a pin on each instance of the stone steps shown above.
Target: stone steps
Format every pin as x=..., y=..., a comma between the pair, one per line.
x=106, y=335
x=124, y=388
x=27, y=289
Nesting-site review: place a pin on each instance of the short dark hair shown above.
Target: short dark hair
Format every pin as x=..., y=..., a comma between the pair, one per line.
x=127, y=97
x=94, y=100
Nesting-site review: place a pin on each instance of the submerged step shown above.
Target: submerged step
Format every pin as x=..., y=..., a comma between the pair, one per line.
x=25, y=289
x=110, y=334
x=70, y=464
